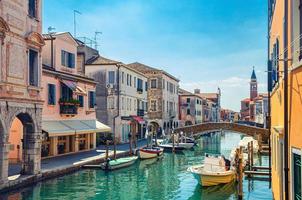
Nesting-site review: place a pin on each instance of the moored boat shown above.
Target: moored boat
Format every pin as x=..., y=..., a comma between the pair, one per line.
x=186, y=145
x=119, y=163
x=169, y=147
x=244, y=143
x=213, y=172
x=150, y=152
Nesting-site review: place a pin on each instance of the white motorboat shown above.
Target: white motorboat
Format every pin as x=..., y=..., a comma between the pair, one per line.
x=244, y=143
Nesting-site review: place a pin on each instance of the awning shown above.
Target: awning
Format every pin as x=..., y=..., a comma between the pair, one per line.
x=54, y=128
x=74, y=87
x=71, y=127
x=138, y=119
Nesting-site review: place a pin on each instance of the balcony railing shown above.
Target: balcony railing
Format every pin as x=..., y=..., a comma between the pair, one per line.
x=69, y=107
x=140, y=112
x=140, y=90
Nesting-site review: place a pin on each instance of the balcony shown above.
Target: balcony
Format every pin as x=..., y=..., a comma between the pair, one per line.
x=140, y=112
x=69, y=107
x=140, y=90
x=172, y=113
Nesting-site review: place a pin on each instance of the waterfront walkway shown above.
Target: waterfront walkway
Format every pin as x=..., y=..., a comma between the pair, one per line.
x=65, y=161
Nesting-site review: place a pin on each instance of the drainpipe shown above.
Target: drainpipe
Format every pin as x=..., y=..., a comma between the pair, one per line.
x=118, y=106
x=268, y=120
x=286, y=132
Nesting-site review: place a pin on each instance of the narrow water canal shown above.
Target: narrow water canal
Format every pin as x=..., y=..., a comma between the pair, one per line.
x=162, y=179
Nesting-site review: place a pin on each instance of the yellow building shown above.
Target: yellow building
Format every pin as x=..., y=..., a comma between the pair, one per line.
x=285, y=29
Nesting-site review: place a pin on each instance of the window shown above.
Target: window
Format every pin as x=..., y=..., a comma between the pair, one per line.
x=111, y=102
x=66, y=92
x=32, y=8
x=164, y=83
x=111, y=77
x=127, y=79
x=153, y=83
x=51, y=94
x=297, y=176
x=130, y=80
x=33, y=68
x=146, y=86
x=123, y=103
x=81, y=100
x=153, y=106
x=188, y=100
x=67, y=59
x=139, y=85
x=135, y=82
x=123, y=77
x=91, y=97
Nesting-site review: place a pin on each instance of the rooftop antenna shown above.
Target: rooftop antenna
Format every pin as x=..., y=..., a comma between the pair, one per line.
x=51, y=29
x=96, y=33
x=74, y=21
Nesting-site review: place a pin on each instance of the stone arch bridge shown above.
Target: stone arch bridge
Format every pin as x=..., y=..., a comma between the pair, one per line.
x=261, y=134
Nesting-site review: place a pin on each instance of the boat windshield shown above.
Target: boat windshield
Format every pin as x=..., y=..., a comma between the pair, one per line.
x=214, y=164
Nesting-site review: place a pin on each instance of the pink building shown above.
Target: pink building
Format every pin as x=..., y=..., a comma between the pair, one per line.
x=68, y=119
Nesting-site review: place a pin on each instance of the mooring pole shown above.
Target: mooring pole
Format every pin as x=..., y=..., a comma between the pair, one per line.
x=249, y=155
x=252, y=154
x=130, y=145
x=173, y=143
x=240, y=187
x=114, y=148
x=107, y=149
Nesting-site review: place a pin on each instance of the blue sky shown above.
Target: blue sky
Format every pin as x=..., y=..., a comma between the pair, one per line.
x=205, y=43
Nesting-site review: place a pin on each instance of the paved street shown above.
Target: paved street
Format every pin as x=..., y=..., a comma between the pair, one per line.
x=69, y=160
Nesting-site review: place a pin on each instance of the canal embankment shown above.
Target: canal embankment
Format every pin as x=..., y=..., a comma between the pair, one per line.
x=66, y=164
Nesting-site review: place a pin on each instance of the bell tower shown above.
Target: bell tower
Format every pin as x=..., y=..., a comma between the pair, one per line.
x=253, y=85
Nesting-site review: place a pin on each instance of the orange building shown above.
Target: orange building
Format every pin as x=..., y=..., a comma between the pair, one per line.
x=285, y=77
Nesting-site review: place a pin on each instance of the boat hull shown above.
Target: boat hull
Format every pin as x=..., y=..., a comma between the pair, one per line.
x=146, y=154
x=119, y=163
x=168, y=147
x=211, y=178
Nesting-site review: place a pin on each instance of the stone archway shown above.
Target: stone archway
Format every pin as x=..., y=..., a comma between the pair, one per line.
x=3, y=152
x=30, y=145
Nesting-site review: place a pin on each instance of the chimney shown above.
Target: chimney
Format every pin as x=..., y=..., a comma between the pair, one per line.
x=196, y=91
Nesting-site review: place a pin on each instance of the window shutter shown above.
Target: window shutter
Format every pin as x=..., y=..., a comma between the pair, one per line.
x=63, y=57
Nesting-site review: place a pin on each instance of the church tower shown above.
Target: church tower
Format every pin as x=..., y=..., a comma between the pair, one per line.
x=253, y=85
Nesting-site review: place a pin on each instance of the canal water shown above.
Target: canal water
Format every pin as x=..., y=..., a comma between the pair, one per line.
x=162, y=179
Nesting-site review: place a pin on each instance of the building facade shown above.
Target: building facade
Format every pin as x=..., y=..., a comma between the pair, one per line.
x=20, y=87
x=211, y=105
x=121, y=97
x=190, y=108
x=285, y=75
x=162, y=98
x=68, y=119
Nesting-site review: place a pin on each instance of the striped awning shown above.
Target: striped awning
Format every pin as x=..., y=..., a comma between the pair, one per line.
x=74, y=87
x=72, y=127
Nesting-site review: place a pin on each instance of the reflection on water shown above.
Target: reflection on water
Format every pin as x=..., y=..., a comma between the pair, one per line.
x=164, y=178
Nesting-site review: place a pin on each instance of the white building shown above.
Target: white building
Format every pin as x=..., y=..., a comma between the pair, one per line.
x=121, y=96
x=162, y=98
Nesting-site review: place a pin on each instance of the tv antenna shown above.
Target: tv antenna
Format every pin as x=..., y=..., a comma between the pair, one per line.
x=96, y=33
x=75, y=12
x=51, y=29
